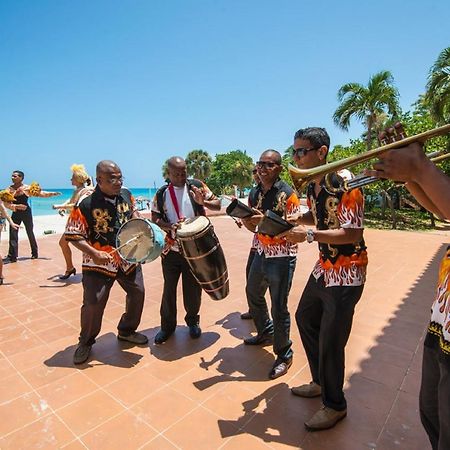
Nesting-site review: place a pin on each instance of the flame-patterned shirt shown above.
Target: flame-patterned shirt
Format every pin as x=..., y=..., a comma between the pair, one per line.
x=341, y=265
x=439, y=328
x=282, y=200
x=97, y=219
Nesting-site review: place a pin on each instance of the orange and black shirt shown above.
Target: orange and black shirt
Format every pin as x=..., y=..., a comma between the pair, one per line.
x=341, y=265
x=97, y=219
x=282, y=200
x=439, y=329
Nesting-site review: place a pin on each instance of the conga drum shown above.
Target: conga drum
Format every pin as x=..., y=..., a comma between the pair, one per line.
x=203, y=252
x=139, y=241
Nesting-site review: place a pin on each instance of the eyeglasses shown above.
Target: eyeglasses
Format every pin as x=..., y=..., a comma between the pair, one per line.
x=266, y=164
x=302, y=151
x=113, y=180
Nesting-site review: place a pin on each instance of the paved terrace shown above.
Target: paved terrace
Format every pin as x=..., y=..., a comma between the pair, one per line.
x=213, y=392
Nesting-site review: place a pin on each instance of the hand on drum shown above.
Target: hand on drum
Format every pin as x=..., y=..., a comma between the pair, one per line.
x=297, y=234
x=100, y=257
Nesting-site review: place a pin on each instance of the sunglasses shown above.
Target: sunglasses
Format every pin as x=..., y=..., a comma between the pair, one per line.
x=302, y=151
x=266, y=164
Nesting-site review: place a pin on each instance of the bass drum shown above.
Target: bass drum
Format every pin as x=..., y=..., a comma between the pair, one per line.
x=203, y=252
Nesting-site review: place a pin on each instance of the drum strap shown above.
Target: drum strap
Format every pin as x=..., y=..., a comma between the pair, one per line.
x=174, y=200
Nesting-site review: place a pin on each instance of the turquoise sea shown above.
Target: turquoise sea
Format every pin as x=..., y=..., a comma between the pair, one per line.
x=43, y=206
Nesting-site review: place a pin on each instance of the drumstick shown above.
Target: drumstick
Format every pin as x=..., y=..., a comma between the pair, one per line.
x=134, y=238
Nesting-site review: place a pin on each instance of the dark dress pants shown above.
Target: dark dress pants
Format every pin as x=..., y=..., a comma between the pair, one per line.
x=324, y=317
x=434, y=399
x=174, y=265
x=96, y=289
x=27, y=218
x=276, y=275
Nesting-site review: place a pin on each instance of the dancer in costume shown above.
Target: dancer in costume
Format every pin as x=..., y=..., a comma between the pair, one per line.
x=83, y=187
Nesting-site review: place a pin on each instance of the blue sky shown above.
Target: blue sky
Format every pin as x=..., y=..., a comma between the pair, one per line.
x=140, y=81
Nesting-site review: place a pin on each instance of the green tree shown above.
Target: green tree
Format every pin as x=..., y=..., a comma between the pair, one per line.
x=165, y=170
x=438, y=88
x=230, y=169
x=368, y=103
x=199, y=164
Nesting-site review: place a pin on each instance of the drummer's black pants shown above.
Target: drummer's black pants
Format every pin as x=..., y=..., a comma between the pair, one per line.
x=96, y=289
x=174, y=265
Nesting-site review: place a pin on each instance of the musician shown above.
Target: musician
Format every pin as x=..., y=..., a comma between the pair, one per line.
x=82, y=182
x=22, y=213
x=174, y=202
x=273, y=263
x=247, y=315
x=325, y=311
x=3, y=218
x=92, y=228
x=431, y=187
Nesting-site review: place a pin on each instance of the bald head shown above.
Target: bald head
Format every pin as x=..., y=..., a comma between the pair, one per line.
x=176, y=162
x=106, y=166
x=109, y=177
x=176, y=167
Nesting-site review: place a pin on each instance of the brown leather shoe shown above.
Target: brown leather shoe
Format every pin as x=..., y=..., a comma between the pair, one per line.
x=309, y=390
x=325, y=418
x=280, y=368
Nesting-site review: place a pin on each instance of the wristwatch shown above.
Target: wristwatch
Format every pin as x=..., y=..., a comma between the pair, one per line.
x=310, y=236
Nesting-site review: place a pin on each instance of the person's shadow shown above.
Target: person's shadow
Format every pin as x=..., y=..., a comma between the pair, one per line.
x=237, y=327
x=180, y=344
x=234, y=366
x=268, y=417
x=58, y=283
x=106, y=351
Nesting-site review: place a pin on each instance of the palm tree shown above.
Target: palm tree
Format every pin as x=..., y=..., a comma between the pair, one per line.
x=368, y=104
x=241, y=175
x=199, y=164
x=438, y=88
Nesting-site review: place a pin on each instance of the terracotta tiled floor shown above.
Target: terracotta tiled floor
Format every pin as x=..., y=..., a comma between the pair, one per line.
x=212, y=392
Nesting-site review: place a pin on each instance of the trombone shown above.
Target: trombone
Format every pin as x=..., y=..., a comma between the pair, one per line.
x=302, y=177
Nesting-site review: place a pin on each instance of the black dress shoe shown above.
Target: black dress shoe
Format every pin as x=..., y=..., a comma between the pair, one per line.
x=195, y=331
x=82, y=353
x=246, y=316
x=9, y=260
x=68, y=273
x=259, y=339
x=162, y=336
x=280, y=368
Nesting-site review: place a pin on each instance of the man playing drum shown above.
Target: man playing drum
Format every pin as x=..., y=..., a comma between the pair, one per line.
x=92, y=228
x=273, y=263
x=173, y=203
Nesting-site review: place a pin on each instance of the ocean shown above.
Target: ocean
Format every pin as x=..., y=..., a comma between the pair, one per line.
x=43, y=206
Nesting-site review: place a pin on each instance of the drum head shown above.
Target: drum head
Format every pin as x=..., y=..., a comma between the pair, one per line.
x=139, y=241
x=192, y=227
